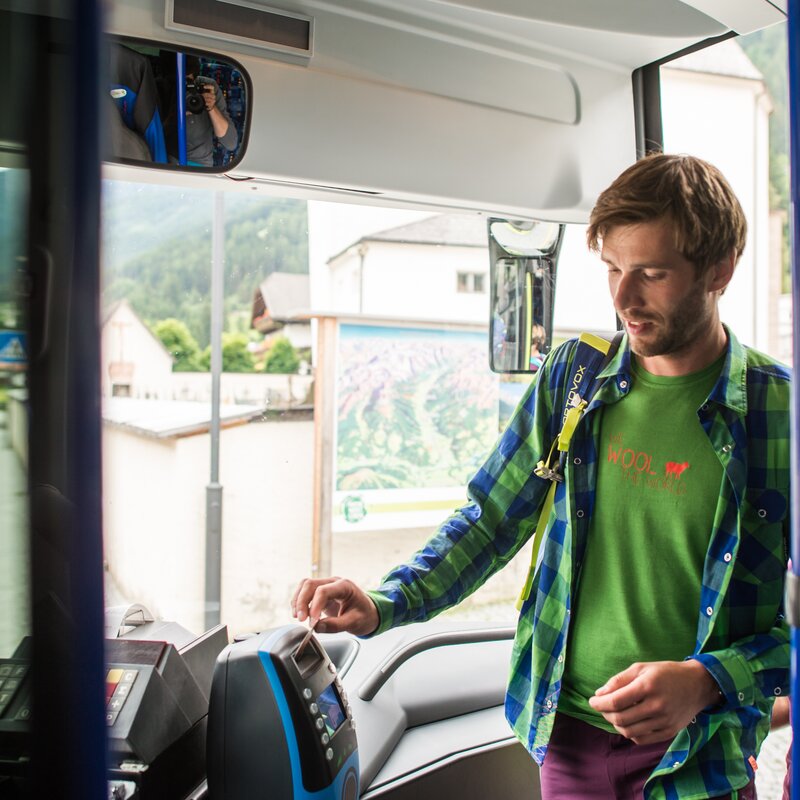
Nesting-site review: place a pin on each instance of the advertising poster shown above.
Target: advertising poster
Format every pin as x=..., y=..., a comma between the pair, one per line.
x=417, y=412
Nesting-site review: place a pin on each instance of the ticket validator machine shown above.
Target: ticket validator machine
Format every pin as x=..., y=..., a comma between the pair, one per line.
x=279, y=720
x=427, y=700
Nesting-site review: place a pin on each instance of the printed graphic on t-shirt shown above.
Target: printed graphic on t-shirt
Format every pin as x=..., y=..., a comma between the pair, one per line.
x=650, y=471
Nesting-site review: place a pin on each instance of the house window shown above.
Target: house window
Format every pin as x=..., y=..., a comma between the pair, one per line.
x=472, y=282
x=121, y=390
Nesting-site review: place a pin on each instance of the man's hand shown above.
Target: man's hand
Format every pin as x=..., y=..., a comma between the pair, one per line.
x=209, y=96
x=651, y=702
x=345, y=606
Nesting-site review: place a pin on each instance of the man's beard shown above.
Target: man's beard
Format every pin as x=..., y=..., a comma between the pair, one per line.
x=680, y=330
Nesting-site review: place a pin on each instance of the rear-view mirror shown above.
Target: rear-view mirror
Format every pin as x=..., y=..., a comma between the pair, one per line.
x=174, y=109
x=523, y=258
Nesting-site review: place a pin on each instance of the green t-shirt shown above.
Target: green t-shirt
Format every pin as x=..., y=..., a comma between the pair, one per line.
x=638, y=592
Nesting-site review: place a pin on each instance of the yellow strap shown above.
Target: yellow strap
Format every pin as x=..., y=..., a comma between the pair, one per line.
x=544, y=469
x=598, y=342
x=573, y=416
x=541, y=526
x=570, y=423
x=528, y=319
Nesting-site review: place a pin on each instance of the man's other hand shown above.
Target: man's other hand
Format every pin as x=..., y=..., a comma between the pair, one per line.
x=651, y=702
x=344, y=605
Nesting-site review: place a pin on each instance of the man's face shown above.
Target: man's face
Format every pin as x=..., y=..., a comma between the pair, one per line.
x=666, y=309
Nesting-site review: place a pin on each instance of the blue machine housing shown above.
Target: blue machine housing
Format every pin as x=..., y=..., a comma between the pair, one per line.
x=279, y=724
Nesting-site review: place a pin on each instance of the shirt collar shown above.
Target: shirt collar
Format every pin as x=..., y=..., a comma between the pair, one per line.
x=729, y=390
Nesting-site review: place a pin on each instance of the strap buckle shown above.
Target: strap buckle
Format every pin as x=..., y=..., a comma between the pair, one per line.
x=548, y=473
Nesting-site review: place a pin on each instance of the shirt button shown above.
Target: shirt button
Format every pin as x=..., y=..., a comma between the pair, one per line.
x=580, y=512
x=549, y=704
x=740, y=695
x=727, y=556
x=762, y=512
x=709, y=611
x=576, y=460
x=623, y=384
x=694, y=719
x=727, y=448
x=777, y=691
x=676, y=765
x=704, y=407
x=560, y=658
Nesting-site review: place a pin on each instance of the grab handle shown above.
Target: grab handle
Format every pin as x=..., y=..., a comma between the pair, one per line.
x=394, y=660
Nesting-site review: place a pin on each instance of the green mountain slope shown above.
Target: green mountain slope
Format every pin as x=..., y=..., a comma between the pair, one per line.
x=157, y=250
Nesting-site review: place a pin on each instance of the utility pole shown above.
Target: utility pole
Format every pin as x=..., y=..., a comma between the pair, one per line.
x=214, y=488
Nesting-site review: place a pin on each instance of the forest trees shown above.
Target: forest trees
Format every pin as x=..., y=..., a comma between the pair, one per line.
x=180, y=344
x=157, y=251
x=282, y=357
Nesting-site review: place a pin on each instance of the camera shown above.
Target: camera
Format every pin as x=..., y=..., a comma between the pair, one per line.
x=195, y=104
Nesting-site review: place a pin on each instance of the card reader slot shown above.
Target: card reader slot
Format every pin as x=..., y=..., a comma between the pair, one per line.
x=307, y=659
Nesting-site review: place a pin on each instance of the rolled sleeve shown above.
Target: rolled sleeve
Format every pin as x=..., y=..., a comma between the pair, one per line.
x=751, y=671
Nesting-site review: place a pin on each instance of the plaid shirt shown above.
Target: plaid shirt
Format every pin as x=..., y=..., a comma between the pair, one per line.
x=742, y=639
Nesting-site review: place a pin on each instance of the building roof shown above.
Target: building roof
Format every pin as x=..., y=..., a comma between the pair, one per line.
x=112, y=309
x=171, y=419
x=453, y=230
x=725, y=58
x=282, y=297
x=109, y=313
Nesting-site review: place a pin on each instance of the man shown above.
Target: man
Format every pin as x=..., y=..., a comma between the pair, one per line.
x=652, y=644
x=204, y=125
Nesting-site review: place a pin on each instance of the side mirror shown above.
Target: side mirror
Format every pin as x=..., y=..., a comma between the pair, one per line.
x=523, y=256
x=175, y=109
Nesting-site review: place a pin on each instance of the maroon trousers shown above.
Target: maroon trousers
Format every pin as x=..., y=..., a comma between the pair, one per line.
x=587, y=763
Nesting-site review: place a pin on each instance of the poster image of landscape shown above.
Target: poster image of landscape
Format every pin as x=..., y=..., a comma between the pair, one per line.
x=417, y=414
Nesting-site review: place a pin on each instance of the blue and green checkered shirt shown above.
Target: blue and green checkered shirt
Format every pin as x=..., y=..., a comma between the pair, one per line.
x=742, y=638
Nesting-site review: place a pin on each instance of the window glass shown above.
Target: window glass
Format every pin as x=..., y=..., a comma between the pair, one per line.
x=356, y=397
x=728, y=104
x=14, y=556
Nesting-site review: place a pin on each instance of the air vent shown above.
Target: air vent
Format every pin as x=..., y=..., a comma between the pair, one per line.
x=245, y=22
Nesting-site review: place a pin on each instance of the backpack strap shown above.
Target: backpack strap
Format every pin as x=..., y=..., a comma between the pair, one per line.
x=592, y=355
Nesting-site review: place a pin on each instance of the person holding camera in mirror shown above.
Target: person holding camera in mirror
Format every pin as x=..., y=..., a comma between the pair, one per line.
x=207, y=117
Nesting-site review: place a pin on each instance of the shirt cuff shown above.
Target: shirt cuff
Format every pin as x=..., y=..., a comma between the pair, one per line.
x=385, y=609
x=733, y=676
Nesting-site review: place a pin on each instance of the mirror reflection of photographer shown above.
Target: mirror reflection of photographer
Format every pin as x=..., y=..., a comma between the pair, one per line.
x=206, y=117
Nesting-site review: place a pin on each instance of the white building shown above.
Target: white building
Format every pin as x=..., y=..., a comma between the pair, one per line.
x=437, y=266
x=134, y=362
x=136, y=365
x=161, y=450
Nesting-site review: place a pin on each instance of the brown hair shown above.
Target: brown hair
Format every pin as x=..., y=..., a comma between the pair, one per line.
x=707, y=218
